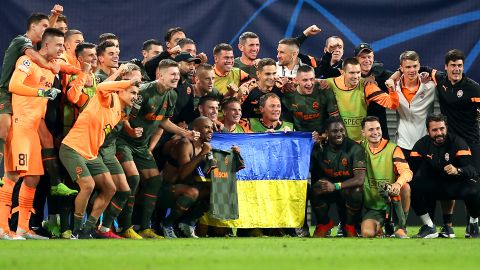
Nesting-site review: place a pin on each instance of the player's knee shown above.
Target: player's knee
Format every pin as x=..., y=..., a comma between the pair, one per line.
x=192, y=193
x=87, y=187
x=110, y=189
x=405, y=190
x=368, y=230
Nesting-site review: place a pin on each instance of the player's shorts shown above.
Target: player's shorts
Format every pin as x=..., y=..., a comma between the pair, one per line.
x=140, y=155
x=166, y=195
x=23, y=151
x=107, y=154
x=78, y=166
x=5, y=102
x=378, y=215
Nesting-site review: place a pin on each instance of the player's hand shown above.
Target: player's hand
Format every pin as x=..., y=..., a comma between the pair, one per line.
x=192, y=135
x=312, y=30
x=425, y=77
x=236, y=149
x=50, y=93
x=289, y=87
x=219, y=125
x=54, y=67
x=326, y=186
x=369, y=80
x=390, y=84
x=57, y=9
x=206, y=148
x=450, y=169
x=395, y=189
x=287, y=129
x=85, y=66
x=203, y=57
x=133, y=132
x=89, y=81
x=174, y=51
x=136, y=81
x=323, y=84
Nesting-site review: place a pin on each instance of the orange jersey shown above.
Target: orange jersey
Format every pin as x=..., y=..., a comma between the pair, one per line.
x=98, y=118
x=29, y=77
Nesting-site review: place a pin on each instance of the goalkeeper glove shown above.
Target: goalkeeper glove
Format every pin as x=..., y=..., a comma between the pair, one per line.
x=49, y=93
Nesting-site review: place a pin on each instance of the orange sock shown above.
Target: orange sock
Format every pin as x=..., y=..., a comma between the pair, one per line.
x=6, y=203
x=25, y=205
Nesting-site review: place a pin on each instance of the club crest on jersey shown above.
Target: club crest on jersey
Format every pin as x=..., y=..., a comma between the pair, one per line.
x=459, y=93
x=344, y=162
x=315, y=105
x=226, y=161
x=189, y=90
x=447, y=156
x=165, y=105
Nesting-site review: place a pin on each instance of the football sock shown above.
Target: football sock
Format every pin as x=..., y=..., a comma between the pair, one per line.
x=77, y=221
x=91, y=223
x=115, y=207
x=50, y=162
x=426, y=220
x=195, y=212
x=25, y=205
x=149, y=195
x=125, y=217
x=447, y=218
x=6, y=203
x=473, y=220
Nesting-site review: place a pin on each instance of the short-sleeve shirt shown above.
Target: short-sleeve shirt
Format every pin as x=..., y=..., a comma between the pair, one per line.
x=309, y=112
x=154, y=108
x=16, y=49
x=337, y=166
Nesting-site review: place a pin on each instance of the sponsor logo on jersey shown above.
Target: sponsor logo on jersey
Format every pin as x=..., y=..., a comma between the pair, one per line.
x=218, y=174
x=344, y=162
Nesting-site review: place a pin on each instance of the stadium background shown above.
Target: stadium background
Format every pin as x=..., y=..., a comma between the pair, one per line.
x=430, y=27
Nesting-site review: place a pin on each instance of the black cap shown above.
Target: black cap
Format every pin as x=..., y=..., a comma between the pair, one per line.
x=185, y=56
x=362, y=47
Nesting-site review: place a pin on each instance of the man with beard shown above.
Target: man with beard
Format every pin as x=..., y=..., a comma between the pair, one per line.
x=180, y=190
x=338, y=173
x=444, y=170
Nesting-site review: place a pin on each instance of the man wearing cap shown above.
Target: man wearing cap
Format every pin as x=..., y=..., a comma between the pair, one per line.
x=365, y=56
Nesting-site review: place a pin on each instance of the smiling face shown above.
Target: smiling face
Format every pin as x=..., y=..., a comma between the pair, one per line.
x=54, y=47
x=109, y=58
x=209, y=109
x=250, y=48
x=224, y=61
x=232, y=113
x=128, y=96
x=437, y=131
x=352, y=75
x=266, y=76
x=88, y=55
x=336, y=134
x=365, y=58
x=306, y=81
x=372, y=132
x=410, y=69
x=168, y=77
x=205, y=128
x=272, y=110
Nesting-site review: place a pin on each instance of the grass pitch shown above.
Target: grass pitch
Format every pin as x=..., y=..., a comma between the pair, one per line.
x=243, y=253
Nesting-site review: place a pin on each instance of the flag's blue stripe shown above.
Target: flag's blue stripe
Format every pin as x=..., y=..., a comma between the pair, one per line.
x=270, y=156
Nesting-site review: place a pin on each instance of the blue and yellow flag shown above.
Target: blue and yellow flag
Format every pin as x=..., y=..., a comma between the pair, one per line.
x=272, y=188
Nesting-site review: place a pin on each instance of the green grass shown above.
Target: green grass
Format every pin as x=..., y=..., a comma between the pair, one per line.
x=243, y=253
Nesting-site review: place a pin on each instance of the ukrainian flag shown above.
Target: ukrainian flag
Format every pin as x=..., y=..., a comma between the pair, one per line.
x=272, y=188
